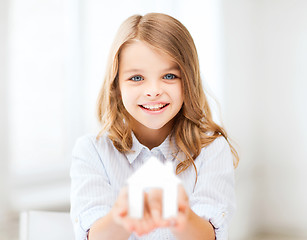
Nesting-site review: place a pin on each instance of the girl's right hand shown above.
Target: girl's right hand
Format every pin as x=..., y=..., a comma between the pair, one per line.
x=120, y=213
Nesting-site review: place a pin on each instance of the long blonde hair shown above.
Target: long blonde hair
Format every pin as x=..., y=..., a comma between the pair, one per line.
x=194, y=120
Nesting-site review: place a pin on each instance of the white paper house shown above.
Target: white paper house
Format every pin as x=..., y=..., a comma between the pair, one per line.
x=153, y=174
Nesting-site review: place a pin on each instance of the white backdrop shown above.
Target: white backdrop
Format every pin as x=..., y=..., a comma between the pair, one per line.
x=252, y=55
x=58, y=51
x=265, y=109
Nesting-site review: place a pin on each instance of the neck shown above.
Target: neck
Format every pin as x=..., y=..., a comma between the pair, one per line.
x=152, y=137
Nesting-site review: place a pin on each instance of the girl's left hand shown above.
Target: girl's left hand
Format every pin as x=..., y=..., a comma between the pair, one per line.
x=178, y=222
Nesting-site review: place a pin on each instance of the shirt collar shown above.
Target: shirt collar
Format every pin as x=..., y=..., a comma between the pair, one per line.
x=135, y=150
x=168, y=148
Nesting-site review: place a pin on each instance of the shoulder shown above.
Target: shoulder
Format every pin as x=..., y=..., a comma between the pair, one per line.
x=219, y=143
x=219, y=148
x=90, y=143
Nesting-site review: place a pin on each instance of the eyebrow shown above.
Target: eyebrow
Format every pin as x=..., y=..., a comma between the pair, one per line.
x=172, y=68
x=133, y=70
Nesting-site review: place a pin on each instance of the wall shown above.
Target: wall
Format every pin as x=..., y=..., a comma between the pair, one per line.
x=3, y=107
x=265, y=105
x=44, y=107
x=282, y=41
x=265, y=54
x=238, y=109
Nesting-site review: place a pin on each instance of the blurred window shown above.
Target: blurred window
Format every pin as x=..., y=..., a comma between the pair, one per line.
x=58, y=51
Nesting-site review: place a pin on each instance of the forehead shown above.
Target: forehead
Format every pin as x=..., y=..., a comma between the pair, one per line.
x=140, y=54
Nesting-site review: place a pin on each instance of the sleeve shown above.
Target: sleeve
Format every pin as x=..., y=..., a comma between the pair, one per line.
x=213, y=197
x=91, y=193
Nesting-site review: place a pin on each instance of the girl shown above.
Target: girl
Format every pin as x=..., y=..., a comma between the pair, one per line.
x=152, y=103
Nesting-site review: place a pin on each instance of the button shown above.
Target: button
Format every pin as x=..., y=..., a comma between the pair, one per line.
x=76, y=220
x=223, y=214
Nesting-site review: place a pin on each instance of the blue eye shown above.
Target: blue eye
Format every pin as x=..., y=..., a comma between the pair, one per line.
x=169, y=76
x=137, y=78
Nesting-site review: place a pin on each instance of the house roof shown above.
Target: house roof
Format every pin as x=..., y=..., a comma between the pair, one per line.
x=153, y=173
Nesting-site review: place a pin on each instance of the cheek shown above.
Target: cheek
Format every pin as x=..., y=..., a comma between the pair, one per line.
x=178, y=93
x=127, y=96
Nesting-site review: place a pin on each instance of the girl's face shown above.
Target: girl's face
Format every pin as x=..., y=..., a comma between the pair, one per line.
x=150, y=86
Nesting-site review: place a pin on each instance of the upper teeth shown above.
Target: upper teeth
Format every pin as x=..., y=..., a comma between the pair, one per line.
x=154, y=107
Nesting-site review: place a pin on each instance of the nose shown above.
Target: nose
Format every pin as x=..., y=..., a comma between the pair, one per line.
x=152, y=94
x=153, y=89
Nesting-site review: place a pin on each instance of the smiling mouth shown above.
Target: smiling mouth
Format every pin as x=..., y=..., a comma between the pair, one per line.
x=155, y=107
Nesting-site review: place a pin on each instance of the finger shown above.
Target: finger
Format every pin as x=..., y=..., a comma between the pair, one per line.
x=143, y=226
x=148, y=222
x=120, y=208
x=122, y=199
x=182, y=195
x=183, y=209
x=183, y=200
x=140, y=226
x=154, y=200
x=128, y=224
x=180, y=220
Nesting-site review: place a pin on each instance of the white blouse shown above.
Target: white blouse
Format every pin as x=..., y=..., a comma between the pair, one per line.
x=99, y=171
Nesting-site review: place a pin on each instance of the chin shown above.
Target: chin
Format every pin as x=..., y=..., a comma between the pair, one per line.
x=154, y=126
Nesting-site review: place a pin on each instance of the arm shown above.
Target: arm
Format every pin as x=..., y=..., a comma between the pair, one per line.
x=107, y=228
x=206, y=213
x=92, y=196
x=188, y=225
x=97, y=210
x=213, y=198
x=195, y=228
